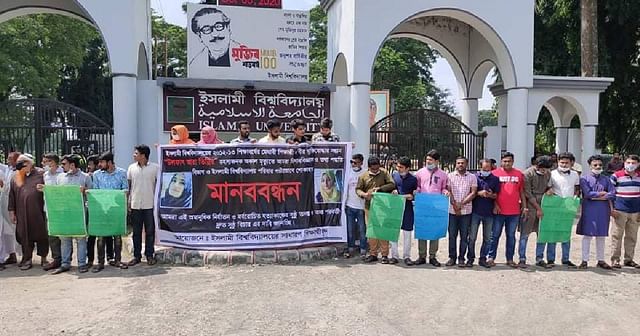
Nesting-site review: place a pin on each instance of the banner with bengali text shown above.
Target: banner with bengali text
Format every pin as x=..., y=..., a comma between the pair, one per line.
x=251, y=196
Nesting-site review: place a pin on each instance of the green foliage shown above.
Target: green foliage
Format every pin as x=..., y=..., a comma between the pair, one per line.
x=36, y=48
x=403, y=67
x=487, y=118
x=172, y=39
x=545, y=139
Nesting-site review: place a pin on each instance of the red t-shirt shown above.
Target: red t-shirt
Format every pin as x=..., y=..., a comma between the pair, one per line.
x=511, y=184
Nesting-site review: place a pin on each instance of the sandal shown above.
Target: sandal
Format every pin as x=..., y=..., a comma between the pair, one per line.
x=616, y=264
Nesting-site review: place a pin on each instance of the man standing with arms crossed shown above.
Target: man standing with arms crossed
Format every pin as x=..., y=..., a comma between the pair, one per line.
x=626, y=212
x=510, y=205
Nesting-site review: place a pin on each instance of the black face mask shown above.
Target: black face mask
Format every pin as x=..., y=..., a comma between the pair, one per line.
x=20, y=165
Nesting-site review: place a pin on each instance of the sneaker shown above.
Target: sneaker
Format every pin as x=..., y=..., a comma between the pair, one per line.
x=551, y=263
x=408, y=262
x=393, y=261
x=83, y=269
x=371, y=259
x=450, y=262
x=384, y=260
x=420, y=261
x=569, y=264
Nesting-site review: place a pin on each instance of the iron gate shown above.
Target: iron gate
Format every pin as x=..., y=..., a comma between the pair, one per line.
x=39, y=126
x=413, y=133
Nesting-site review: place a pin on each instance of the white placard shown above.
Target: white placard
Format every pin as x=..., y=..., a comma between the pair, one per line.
x=225, y=42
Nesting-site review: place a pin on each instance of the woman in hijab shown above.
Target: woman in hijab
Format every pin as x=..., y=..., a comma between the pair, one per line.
x=180, y=135
x=328, y=190
x=209, y=136
x=178, y=193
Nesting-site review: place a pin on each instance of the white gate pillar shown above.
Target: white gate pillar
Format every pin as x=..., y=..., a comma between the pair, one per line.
x=360, y=117
x=470, y=113
x=125, y=123
x=517, y=132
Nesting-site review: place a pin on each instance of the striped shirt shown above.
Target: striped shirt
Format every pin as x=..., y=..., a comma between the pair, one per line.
x=627, y=191
x=461, y=186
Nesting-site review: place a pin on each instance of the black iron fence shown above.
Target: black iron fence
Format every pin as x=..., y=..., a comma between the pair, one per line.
x=39, y=126
x=414, y=133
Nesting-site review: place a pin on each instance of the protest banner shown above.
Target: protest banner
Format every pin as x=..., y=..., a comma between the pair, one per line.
x=248, y=196
x=107, y=212
x=225, y=42
x=431, y=216
x=65, y=210
x=385, y=216
x=559, y=215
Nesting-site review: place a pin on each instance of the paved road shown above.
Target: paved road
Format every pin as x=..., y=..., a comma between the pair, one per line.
x=330, y=298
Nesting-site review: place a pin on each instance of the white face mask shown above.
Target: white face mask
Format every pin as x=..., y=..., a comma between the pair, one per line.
x=564, y=170
x=357, y=169
x=175, y=137
x=630, y=167
x=596, y=171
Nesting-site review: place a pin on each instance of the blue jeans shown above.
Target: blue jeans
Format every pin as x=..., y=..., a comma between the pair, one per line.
x=143, y=219
x=458, y=224
x=487, y=225
x=355, y=218
x=509, y=223
x=67, y=249
x=551, y=251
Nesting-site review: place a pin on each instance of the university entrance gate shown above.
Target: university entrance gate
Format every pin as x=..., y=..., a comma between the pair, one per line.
x=413, y=133
x=40, y=126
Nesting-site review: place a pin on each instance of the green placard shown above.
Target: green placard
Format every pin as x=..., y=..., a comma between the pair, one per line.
x=559, y=214
x=385, y=216
x=65, y=210
x=107, y=212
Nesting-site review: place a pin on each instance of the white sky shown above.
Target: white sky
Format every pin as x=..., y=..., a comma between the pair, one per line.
x=442, y=74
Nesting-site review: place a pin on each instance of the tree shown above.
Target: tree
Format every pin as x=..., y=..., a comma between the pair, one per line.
x=89, y=86
x=403, y=66
x=487, y=118
x=36, y=48
x=169, y=48
x=589, y=37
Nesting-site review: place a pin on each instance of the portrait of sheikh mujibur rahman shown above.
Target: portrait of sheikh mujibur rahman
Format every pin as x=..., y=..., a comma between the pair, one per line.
x=213, y=28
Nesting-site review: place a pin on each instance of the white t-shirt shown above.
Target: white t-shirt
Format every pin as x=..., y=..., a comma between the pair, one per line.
x=564, y=184
x=353, y=200
x=267, y=139
x=143, y=185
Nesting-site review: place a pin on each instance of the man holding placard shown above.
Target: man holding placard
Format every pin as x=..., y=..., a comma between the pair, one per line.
x=564, y=183
x=374, y=180
x=110, y=177
x=51, y=162
x=432, y=180
x=406, y=185
x=73, y=176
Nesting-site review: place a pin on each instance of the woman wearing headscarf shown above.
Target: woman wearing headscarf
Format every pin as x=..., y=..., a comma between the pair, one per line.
x=328, y=190
x=180, y=135
x=209, y=136
x=178, y=193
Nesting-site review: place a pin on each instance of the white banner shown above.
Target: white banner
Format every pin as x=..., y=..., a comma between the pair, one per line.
x=225, y=42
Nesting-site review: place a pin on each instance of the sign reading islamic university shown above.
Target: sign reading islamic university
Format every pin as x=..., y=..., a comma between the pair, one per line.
x=229, y=42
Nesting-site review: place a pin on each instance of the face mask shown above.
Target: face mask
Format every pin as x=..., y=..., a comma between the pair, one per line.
x=357, y=169
x=404, y=174
x=596, y=171
x=485, y=173
x=630, y=167
x=564, y=170
x=20, y=165
x=431, y=166
x=539, y=172
x=175, y=137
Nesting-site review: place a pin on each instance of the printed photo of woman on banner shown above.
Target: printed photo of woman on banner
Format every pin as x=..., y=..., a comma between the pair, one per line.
x=326, y=184
x=176, y=191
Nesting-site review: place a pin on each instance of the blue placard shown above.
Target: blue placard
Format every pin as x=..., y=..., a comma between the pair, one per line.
x=431, y=216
